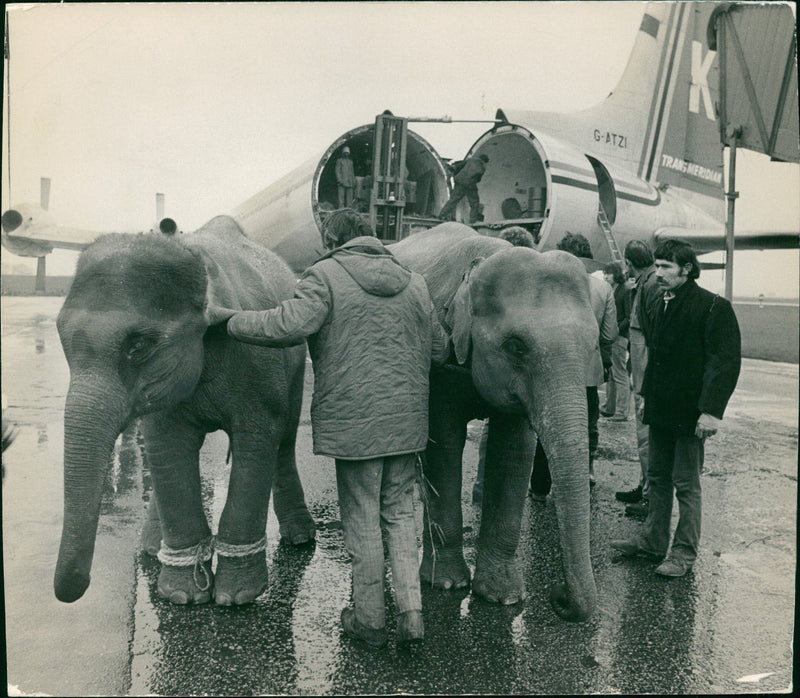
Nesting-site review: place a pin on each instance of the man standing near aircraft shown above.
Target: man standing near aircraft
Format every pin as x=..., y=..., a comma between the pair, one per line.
x=372, y=333
x=639, y=259
x=694, y=357
x=345, y=179
x=466, y=184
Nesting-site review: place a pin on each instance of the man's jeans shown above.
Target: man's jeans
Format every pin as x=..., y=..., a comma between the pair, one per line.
x=374, y=494
x=675, y=462
x=618, y=387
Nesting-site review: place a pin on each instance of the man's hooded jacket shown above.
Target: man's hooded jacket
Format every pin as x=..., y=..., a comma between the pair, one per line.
x=372, y=332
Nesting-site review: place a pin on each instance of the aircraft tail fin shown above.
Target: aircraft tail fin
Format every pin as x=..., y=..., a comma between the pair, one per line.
x=670, y=86
x=660, y=121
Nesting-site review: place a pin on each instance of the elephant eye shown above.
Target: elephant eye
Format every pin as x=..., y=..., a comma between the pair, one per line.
x=138, y=347
x=515, y=348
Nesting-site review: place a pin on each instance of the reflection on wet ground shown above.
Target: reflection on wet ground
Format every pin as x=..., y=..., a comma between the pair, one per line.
x=727, y=627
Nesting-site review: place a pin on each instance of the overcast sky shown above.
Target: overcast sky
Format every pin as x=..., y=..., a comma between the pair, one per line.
x=209, y=103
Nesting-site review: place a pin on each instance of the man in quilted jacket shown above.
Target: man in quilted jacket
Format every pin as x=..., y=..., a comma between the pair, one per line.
x=372, y=333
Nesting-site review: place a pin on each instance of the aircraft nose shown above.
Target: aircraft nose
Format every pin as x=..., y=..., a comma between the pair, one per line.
x=11, y=220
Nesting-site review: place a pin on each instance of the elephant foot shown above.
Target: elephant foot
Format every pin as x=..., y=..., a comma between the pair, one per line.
x=240, y=580
x=568, y=608
x=298, y=530
x=499, y=582
x=150, y=540
x=192, y=584
x=444, y=571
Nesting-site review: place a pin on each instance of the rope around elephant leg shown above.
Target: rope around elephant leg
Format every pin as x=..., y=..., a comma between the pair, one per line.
x=232, y=550
x=194, y=555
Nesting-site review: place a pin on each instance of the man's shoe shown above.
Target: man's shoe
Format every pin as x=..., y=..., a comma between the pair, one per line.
x=606, y=414
x=630, y=496
x=410, y=629
x=537, y=497
x=630, y=548
x=620, y=418
x=673, y=567
x=639, y=509
x=374, y=637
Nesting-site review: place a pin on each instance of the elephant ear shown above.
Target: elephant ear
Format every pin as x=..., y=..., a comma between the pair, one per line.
x=459, y=316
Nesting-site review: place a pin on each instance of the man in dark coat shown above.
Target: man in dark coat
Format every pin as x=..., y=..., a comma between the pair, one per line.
x=694, y=357
x=466, y=184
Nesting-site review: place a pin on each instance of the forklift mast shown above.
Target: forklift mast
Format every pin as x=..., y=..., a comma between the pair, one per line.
x=388, y=198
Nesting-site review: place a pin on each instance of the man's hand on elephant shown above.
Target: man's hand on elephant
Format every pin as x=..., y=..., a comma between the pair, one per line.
x=216, y=314
x=707, y=425
x=217, y=317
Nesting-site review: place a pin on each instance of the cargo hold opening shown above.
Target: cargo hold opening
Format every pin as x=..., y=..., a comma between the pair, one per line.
x=513, y=190
x=425, y=187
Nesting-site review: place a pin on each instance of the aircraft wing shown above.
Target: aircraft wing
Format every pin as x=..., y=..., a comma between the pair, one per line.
x=62, y=237
x=43, y=239
x=713, y=240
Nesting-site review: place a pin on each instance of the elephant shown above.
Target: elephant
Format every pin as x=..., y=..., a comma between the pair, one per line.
x=523, y=332
x=138, y=343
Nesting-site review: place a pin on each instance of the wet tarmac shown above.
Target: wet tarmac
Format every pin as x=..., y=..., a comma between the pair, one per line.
x=727, y=627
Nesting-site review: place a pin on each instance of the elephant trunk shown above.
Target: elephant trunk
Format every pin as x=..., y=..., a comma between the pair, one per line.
x=562, y=428
x=94, y=416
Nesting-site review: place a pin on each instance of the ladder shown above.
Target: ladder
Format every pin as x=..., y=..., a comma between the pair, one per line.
x=388, y=197
x=605, y=226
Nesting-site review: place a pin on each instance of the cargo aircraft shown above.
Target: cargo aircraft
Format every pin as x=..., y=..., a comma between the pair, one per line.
x=646, y=163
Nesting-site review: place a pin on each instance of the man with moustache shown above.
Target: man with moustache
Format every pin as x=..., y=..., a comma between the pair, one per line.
x=694, y=357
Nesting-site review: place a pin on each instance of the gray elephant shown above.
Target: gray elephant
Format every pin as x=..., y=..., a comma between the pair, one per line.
x=523, y=328
x=138, y=344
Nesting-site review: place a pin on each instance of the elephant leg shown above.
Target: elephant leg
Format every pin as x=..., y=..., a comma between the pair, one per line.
x=295, y=523
x=173, y=449
x=443, y=563
x=241, y=573
x=509, y=460
x=150, y=539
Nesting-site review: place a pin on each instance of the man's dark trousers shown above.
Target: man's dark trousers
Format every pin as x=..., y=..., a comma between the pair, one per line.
x=675, y=461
